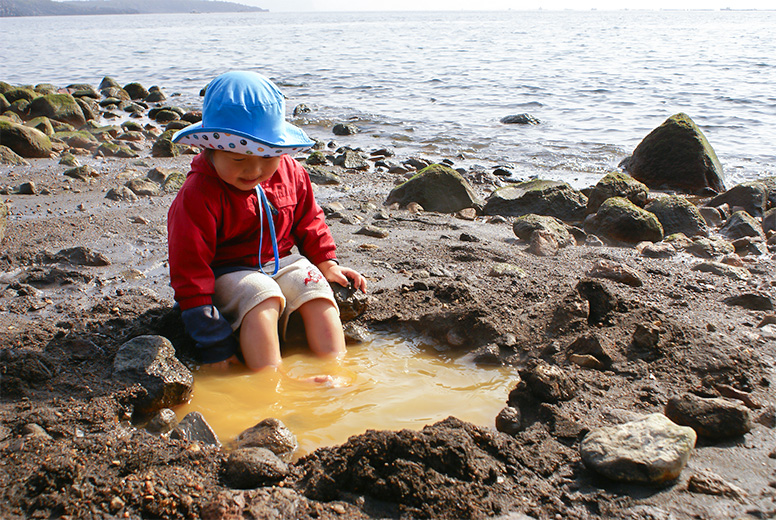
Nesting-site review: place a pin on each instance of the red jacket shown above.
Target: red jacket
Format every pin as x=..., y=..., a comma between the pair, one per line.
x=212, y=224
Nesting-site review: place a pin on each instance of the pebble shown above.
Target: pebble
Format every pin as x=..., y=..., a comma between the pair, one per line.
x=508, y=420
x=373, y=231
x=194, y=428
x=652, y=450
x=271, y=434
x=714, y=417
x=252, y=467
x=615, y=271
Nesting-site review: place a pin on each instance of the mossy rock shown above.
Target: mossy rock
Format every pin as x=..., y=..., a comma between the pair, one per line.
x=678, y=215
x=45, y=88
x=4, y=104
x=436, y=188
x=78, y=139
x=617, y=184
x=164, y=147
x=108, y=82
x=18, y=93
x=20, y=107
x=11, y=158
x=43, y=124
x=115, y=92
x=173, y=182
x=132, y=126
x=538, y=197
x=5, y=87
x=678, y=156
x=525, y=226
x=621, y=221
x=89, y=108
x=115, y=150
x=61, y=107
x=23, y=140
x=136, y=91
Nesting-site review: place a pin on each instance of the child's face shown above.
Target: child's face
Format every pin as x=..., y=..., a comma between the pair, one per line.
x=244, y=172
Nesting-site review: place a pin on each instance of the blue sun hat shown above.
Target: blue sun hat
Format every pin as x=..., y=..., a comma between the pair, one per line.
x=244, y=112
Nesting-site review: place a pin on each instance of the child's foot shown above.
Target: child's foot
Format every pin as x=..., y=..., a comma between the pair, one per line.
x=327, y=380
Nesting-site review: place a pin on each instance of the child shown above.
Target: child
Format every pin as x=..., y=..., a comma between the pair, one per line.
x=244, y=205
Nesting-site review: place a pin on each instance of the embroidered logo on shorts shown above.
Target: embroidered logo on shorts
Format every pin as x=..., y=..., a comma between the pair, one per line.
x=314, y=276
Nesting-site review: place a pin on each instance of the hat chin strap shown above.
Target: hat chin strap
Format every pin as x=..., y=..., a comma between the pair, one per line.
x=264, y=206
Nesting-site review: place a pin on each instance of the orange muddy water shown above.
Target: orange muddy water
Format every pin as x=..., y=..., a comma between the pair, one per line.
x=392, y=382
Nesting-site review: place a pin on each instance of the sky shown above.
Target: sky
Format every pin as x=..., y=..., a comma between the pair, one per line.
x=497, y=5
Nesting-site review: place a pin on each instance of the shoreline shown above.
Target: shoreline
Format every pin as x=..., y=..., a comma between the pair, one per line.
x=70, y=448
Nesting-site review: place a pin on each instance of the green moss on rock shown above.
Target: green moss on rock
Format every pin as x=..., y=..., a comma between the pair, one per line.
x=25, y=141
x=436, y=188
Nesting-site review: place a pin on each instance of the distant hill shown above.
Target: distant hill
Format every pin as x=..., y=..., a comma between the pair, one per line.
x=50, y=8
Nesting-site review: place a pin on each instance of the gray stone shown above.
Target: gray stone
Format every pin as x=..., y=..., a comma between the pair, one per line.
x=591, y=351
x=136, y=91
x=194, y=428
x=720, y=269
x=710, y=247
x=676, y=155
x=116, y=150
x=539, y=197
x=82, y=256
x=659, y=250
x=752, y=197
x=615, y=271
x=344, y=129
x=741, y=224
x=543, y=243
x=508, y=420
x=61, y=107
x=436, y=188
x=652, y=450
x=248, y=468
x=351, y=160
x=84, y=173
x=712, y=216
x=751, y=301
x=143, y=187
x=24, y=140
x=164, y=421
x=9, y=157
x=621, y=221
x=550, y=383
x=351, y=302
x=710, y=484
x=150, y=361
x=373, y=231
x=271, y=434
x=524, y=227
x=520, y=119
x=750, y=246
x=769, y=220
x=714, y=417
x=617, y=184
x=678, y=215
x=121, y=194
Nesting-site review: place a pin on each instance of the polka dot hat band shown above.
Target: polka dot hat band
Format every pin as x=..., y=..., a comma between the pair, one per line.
x=244, y=112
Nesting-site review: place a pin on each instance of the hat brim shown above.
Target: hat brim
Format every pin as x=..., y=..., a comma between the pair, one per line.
x=291, y=140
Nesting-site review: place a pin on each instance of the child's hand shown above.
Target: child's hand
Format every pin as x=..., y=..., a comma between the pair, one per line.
x=333, y=272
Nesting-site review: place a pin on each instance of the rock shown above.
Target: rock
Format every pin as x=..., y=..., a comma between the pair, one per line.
x=136, y=91
x=23, y=140
x=151, y=362
x=344, y=129
x=621, y=221
x=506, y=269
x=590, y=351
x=82, y=256
x=550, y=383
x=539, y=197
x=601, y=300
x=710, y=247
x=617, y=184
x=750, y=246
x=43, y=124
x=115, y=150
x=752, y=197
x=615, y=271
x=248, y=468
x=11, y=158
x=164, y=147
x=300, y=109
x=155, y=95
x=520, y=119
x=321, y=176
x=676, y=155
x=720, y=269
x=3, y=218
x=62, y=107
x=741, y=224
x=166, y=116
x=80, y=139
x=769, y=221
x=272, y=435
x=751, y=301
x=373, y=231
x=436, y=188
x=108, y=82
x=646, y=337
x=524, y=227
x=486, y=355
x=164, y=421
x=351, y=160
x=543, y=243
x=351, y=302
x=678, y=215
x=194, y=428
x=711, y=216
x=711, y=417
x=84, y=173
x=20, y=93
x=570, y=314
x=122, y=194
x=143, y=187
x=652, y=450
x=711, y=484
x=660, y=250
x=508, y=420
x=316, y=158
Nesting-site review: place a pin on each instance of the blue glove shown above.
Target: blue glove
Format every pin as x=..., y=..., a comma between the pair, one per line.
x=212, y=333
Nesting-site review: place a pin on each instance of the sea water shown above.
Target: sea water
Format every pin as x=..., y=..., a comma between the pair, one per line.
x=437, y=84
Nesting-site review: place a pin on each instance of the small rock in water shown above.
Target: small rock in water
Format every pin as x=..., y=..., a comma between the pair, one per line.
x=194, y=428
x=520, y=119
x=344, y=129
x=714, y=417
x=271, y=434
x=248, y=468
x=652, y=450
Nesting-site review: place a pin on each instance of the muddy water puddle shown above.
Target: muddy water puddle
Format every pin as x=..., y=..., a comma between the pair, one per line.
x=392, y=382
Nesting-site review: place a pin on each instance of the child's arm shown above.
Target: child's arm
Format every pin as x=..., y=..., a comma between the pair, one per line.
x=333, y=272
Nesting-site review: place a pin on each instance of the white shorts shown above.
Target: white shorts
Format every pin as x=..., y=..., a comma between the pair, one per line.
x=297, y=282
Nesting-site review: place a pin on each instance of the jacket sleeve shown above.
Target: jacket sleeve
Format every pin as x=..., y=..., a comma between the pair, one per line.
x=311, y=234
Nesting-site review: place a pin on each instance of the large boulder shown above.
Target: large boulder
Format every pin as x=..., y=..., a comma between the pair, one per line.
x=752, y=197
x=678, y=215
x=61, y=107
x=150, y=361
x=24, y=140
x=676, y=155
x=620, y=220
x=617, y=184
x=538, y=197
x=436, y=188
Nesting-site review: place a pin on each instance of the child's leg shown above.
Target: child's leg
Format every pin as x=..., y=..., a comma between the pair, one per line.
x=323, y=327
x=259, y=340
